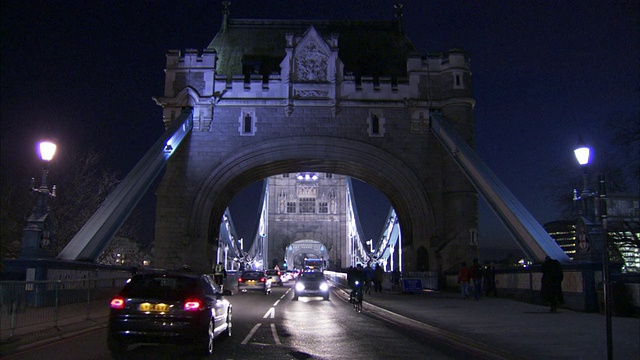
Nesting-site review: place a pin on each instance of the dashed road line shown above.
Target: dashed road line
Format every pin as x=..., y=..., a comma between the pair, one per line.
x=275, y=334
x=270, y=313
x=251, y=333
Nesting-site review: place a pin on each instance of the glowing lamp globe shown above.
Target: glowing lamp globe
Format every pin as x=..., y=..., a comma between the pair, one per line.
x=582, y=154
x=47, y=150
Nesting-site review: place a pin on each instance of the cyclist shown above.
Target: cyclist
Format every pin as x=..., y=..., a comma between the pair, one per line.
x=356, y=296
x=356, y=279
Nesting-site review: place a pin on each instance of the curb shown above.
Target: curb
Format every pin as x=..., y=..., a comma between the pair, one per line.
x=43, y=337
x=443, y=337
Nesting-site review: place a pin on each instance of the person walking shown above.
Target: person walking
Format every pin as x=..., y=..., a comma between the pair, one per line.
x=552, y=277
x=378, y=278
x=368, y=279
x=219, y=274
x=476, y=275
x=464, y=276
x=490, y=280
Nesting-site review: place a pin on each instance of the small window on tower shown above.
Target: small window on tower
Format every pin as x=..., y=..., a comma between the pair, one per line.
x=246, y=125
x=458, y=80
x=247, y=122
x=376, y=124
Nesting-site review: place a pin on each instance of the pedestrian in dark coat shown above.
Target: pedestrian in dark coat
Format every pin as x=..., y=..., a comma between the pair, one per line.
x=552, y=277
x=490, y=280
x=477, y=272
x=378, y=278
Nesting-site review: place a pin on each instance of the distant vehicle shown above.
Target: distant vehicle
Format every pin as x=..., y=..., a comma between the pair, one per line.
x=252, y=280
x=182, y=308
x=311, y=283
x=274, y=276
x=288, y=275
x=314, y=264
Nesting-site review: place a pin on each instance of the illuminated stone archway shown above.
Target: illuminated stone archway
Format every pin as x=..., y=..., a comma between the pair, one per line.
x=300, y=249
x=317, y=106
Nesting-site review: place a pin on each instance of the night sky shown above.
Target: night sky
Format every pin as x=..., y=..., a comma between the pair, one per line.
x=543, y=72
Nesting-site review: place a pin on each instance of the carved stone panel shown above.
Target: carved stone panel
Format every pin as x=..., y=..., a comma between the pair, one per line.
x=311, y=63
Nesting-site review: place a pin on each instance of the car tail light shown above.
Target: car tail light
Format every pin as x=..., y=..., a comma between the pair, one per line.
x=240, y=279
x=192, y=304
x=117, y=303
x=263, y=279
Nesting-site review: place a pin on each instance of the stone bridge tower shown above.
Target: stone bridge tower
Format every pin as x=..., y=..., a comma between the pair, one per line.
x=308, y=218
x=354, y=98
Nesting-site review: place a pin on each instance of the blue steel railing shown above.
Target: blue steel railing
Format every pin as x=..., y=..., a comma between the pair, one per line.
x=47, y=303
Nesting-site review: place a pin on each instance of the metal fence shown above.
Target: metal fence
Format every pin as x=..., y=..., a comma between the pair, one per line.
x=31, y=303
x=429, y=280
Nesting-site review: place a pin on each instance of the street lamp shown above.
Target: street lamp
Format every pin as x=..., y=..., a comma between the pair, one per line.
x=582, y=153
x=38, y=235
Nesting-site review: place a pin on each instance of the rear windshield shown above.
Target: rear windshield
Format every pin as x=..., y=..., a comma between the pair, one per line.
x=272, y=272
x=252, y=274
x=170, y=288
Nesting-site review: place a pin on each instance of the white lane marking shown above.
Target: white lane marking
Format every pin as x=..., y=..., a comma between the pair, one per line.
x=251, y=333
x=276, y=303
x=275, y=334
x=271, y=313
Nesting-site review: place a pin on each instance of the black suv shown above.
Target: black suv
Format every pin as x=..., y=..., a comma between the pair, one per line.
x=168, y=307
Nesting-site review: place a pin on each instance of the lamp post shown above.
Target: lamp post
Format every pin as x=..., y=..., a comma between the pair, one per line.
x=38, y=235
x=582, y=153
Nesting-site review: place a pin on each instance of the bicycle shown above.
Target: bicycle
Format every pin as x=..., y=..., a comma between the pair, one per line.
x=356, y=297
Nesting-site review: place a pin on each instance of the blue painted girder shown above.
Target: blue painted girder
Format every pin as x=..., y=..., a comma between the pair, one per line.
x=95, y=235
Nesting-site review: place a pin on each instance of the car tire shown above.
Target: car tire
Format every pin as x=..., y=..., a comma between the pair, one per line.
x=205, y=344
x=116, y=347
x=326, y=297
x=295, y=297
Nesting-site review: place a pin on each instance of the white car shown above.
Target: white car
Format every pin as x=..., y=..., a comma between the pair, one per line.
x=274, y=276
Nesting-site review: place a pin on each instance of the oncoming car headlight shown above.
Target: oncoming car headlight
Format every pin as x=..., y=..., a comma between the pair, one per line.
x=324, y=286
x=299, y=286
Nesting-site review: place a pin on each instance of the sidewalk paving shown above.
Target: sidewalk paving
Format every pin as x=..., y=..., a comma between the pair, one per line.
x=503, y=328
x=492, y=328
x=44, y=332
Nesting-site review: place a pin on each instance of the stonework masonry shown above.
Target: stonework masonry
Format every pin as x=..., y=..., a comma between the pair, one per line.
x=313, y=116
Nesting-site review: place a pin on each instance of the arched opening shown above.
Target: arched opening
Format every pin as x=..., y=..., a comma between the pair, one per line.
x=304, y=253
x=392, y=177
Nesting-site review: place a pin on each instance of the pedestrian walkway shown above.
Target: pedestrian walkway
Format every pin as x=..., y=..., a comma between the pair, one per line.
x=502, y=328
x=489, y=328
x=46, y=331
